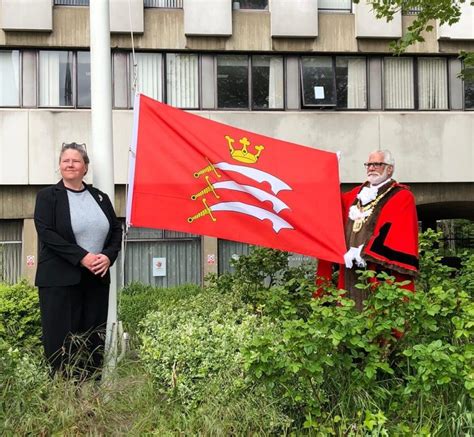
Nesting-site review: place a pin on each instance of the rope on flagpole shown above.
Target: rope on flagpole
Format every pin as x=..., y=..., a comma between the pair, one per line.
x=134, y=60
x=134, y=85
x=124, y=336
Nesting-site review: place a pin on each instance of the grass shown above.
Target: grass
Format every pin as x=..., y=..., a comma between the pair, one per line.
x=129, y=404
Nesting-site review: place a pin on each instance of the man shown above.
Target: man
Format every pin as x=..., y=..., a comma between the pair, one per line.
x=381, y=228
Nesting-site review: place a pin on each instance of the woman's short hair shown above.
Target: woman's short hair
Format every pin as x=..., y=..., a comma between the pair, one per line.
x=81, y=148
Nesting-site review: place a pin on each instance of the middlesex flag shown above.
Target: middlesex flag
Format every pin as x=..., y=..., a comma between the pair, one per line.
x=194, y=175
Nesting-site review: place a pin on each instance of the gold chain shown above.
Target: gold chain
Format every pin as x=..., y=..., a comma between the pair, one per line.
x=357, y=226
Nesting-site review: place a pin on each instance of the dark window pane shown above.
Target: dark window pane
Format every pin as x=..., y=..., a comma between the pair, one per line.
x=318, y=81
x=83, y=79
x=252, y=4
x=267, y=82
x=232, y=82
x=65, y=84
x=469, y=89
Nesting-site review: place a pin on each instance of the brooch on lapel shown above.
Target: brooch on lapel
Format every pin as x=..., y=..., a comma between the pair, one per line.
x=100, y=198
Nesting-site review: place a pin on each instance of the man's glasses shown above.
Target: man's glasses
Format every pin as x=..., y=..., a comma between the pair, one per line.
x=374, y=164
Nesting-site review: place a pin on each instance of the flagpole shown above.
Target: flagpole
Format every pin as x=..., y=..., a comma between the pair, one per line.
x=102, y=143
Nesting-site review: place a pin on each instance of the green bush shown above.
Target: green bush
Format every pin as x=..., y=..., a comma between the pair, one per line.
x=137, y=300
x=185, y=347
x=20, y=321
x=327, y=360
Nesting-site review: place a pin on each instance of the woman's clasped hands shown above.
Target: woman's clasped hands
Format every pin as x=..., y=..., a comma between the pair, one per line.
x=97, y=264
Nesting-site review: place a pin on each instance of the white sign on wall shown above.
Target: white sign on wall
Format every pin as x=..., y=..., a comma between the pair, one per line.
x=159, y=266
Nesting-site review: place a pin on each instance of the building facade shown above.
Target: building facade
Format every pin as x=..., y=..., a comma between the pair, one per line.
x=314, y=72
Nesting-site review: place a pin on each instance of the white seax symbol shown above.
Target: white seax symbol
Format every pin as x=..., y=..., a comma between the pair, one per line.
x=277, y=222
x=276, y=184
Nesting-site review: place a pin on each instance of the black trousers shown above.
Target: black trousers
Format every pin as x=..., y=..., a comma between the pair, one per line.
x=73, y=319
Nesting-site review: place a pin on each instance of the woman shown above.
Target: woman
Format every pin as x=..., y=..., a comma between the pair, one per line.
x=80, y=237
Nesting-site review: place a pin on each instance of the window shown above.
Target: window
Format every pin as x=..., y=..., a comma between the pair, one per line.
x=319, y=85
x=412, y=11
x=469, y=88
x=252, y=4
x=64, y=79
x=171, y=4
x=55, y=78
x=83, y=79
x=182, y=80
x=351, y=83
x=232, y=81
x=432, y=83
x=339, y=82
x=266, y=82
x=9, y=78
x=398, y=83
x=10, y=250
x=335, y=5
x=149, y=75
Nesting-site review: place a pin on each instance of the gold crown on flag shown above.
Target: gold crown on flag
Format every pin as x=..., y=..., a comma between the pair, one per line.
x=243, y=155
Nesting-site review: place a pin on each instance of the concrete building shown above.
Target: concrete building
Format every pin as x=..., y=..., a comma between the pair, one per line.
x=314, y=72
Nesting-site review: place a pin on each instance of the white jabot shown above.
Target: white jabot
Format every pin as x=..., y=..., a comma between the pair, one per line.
x=353, y=254
x=369, y=193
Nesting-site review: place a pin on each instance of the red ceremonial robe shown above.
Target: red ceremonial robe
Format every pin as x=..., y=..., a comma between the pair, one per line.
x=393, y=243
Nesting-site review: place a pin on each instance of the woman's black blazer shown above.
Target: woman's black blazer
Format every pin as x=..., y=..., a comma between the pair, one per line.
x=59, y=254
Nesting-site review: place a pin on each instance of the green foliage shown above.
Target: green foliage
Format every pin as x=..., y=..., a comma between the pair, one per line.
x=264, y=279
x=254, y=353
x=137, y=300
x=186, y=346
x=318, y=348
x=21, y=376
x=446, y=11
x=20, y=322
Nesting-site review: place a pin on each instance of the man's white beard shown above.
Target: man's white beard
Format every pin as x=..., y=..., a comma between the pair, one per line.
x=376, y=179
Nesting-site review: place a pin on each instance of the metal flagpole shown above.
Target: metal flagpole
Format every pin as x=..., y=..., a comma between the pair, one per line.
x=102, y=143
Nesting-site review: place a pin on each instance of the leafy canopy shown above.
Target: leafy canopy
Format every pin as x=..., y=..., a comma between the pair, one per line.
x=446, y=11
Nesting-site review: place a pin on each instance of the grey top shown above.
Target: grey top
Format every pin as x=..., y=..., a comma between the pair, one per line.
x=89, y=223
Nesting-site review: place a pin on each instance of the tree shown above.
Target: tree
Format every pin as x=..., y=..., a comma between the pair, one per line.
x=446, y=11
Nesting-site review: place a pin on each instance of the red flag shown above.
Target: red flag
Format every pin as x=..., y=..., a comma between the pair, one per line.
x=194, y=175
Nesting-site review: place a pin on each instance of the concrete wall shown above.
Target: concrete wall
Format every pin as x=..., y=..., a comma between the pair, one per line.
x=251, y=30
x=27, y=15
x=428, y=146
x=294, y=18
x=207, y=17
x=368, y=26
x=120, y=17
x=463, y=29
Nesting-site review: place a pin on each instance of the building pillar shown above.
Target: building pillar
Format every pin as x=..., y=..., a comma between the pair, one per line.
x=209, y=256
x=29, y=253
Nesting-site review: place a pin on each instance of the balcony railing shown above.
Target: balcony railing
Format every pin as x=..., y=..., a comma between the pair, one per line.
x=71, y=2
x=171, y=4
x=412, y=11
x=335, y=5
